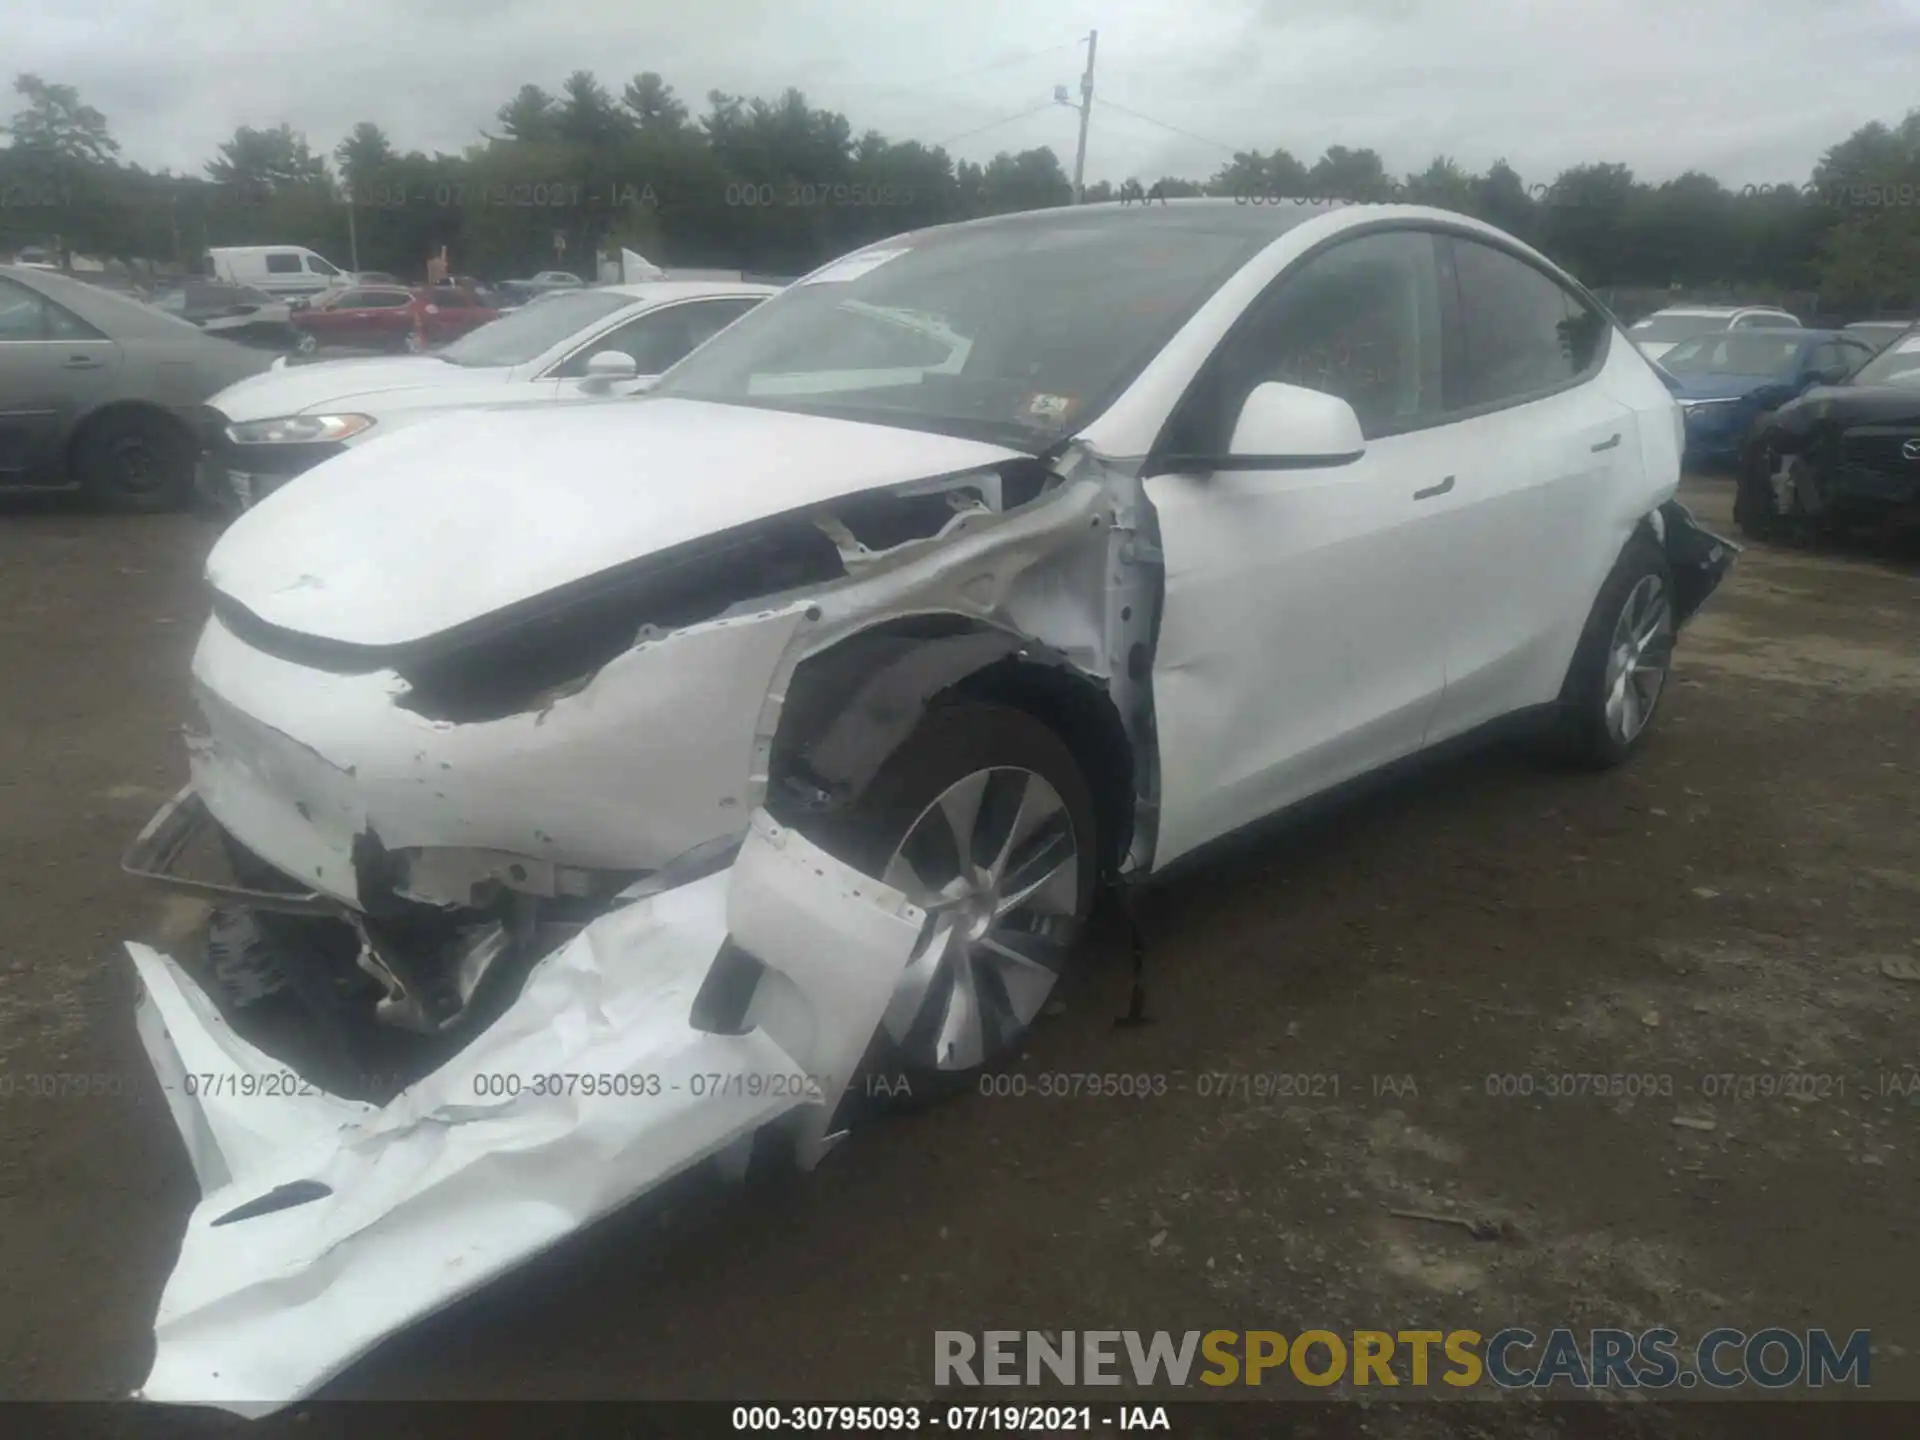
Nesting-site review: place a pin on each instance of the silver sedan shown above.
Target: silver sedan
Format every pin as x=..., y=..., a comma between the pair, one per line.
x=101, y=393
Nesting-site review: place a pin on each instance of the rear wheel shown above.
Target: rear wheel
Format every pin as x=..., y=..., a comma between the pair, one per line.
x=306, y=342
x=1619, y=669
x=984, y=819
x=135, y=461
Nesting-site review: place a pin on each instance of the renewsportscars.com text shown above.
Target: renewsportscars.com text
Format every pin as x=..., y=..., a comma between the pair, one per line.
x=1770, y=1358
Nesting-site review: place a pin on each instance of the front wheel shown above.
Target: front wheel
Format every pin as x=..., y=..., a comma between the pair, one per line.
x=135, y=461
x=1756, y=504
x=1619, y=671
x=984, y=819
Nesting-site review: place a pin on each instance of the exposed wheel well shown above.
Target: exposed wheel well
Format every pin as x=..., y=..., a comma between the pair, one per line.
x=849, y=708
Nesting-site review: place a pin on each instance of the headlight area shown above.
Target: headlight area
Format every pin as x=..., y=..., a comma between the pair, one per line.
x=257, y=457
x=299, y=429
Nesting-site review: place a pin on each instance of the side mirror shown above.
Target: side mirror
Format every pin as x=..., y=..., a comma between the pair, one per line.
x=607, y=368
x=1296, y=428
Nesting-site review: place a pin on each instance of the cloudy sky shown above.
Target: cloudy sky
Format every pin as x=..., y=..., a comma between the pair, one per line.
x=1749, y=90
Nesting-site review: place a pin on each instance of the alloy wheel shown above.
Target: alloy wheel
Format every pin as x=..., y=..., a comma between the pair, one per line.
x=140, y=470
x=995, y=861
x=1637, y=659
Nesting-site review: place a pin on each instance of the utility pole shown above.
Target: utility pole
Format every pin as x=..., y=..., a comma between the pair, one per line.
x=1086, y=111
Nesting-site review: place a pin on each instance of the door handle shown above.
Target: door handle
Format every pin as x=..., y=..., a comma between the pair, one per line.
x=80, y=362
x=1608, y=443
x=1432, y=490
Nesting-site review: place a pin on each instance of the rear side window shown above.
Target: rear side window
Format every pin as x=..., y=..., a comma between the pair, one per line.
x=1525, y=335
x=283, y=264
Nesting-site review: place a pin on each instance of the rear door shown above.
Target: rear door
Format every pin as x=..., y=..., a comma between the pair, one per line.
x=54, y=368
x=1552, y=452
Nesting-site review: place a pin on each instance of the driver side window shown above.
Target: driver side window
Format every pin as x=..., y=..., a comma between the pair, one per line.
x=1360, y=320
x=659, y=339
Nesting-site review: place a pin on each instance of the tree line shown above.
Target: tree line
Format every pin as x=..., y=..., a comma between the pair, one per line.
x=779, y=186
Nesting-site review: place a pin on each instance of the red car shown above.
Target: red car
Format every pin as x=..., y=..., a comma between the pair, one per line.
x=387, y=317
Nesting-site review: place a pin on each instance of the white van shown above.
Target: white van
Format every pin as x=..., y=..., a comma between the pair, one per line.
x=283, y=271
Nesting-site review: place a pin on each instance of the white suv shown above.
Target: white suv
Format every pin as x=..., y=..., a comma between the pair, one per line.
x=687, y=759
x=1664, y=329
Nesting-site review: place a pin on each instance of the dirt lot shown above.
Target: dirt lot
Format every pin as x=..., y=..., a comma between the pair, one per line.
x=1728, y=905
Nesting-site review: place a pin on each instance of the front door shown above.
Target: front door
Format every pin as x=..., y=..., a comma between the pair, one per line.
x=1303, y=637
x=53, y=368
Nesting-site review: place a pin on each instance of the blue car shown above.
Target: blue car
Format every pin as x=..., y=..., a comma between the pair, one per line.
x=1727, y=380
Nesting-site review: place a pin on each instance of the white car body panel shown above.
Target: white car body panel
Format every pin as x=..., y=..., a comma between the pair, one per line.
x=1287, y=659
x=455, y=485
x=1284, y=666
x=362, y=762
x=448, y=1186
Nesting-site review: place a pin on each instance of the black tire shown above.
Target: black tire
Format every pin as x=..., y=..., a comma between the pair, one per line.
x=305, y=342
x=1755, y=508
x=135, y=461
x=1583, y=735
x=953, y=743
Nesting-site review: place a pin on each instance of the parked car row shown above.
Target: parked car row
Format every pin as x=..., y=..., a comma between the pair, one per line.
x=1838, y=455
x=387, y=317
x=1819, y=424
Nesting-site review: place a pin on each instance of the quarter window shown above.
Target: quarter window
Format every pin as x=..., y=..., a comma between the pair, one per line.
x=1525, y=334
x=283, y=264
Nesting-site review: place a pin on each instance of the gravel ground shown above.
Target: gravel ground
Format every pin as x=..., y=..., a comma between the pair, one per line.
x=1738, y=902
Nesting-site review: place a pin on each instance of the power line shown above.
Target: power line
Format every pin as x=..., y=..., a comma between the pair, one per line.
x=921, y=87
x=1176, y=129
x=993, y=124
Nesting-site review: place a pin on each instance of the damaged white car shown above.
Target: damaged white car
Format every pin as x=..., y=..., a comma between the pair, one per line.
x=605, y=789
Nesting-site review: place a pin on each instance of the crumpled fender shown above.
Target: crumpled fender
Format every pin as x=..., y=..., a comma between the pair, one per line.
x=328, y=1224
x=1698, y=558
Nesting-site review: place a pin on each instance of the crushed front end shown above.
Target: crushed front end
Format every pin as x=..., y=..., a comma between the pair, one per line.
x=328, y=1222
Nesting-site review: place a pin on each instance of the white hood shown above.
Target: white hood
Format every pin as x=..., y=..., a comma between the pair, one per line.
x=338, y=384
x=462, y=515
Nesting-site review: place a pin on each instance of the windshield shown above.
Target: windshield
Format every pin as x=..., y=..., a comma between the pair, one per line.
x=1667, y=328
x=529, y=333
x=1019, y=333
x=1897, y=365
x=1734, y=353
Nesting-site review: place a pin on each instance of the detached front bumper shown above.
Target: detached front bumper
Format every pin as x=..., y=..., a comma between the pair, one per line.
x=327, y=1224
